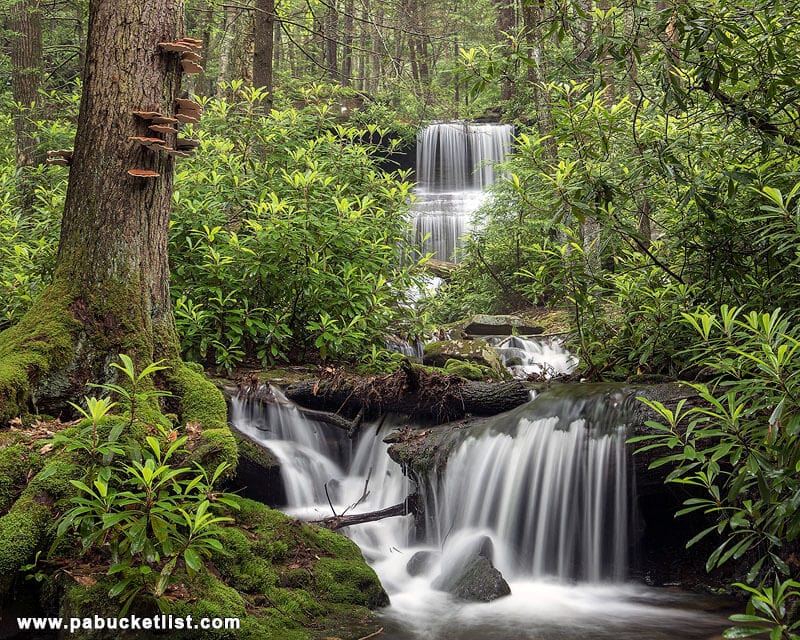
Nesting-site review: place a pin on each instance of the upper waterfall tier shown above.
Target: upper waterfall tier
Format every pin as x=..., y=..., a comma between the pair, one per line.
x=457, y=156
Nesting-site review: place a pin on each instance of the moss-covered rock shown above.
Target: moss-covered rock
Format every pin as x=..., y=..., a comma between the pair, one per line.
x=258, y=474
x=478, y=352
x=17, y=461
x=28, y=524
x=469, y=370
x=42, y=341
x=200, y=401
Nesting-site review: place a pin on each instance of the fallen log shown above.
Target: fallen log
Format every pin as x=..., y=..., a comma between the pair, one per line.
x=407, y=507
x=422, y=395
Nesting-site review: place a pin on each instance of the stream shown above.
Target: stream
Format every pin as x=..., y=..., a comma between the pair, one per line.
x=552, y=494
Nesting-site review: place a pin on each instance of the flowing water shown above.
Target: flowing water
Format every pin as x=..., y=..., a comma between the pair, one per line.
x=455, y=166
x=543, y=356
x=546, y=487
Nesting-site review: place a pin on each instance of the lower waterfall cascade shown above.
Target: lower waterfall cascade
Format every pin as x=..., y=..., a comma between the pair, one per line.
x=548, y=485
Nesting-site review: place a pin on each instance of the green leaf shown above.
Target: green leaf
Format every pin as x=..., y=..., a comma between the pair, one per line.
x=192, y=559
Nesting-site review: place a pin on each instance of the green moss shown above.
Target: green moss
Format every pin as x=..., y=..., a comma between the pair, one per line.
x=200, y=400
x=26, y=526
x=41, y=342
x=259, y=456
x=468, y=370
x=215, y=447
x=346, y=582
x=16, y=462
x=21, y=532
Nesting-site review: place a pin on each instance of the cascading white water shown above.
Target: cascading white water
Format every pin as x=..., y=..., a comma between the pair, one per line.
x=542, y=356
x=546, y=483
x=455, y=165
x=552, y=496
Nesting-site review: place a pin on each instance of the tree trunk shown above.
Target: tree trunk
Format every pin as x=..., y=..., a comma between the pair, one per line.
x=533, y=16
x=264, y=44
x=331, y=33
x=224, y=73
x=110, y=289
x=435, y=398
x=504, y=21
x=25, y=23
x=347, y=46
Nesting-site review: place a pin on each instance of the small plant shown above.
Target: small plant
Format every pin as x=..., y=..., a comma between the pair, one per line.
x=145, y=511
x=88, y=439
x=134, y=393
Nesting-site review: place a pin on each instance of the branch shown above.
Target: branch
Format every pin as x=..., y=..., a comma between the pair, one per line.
x=407, y=507
x=758, y=120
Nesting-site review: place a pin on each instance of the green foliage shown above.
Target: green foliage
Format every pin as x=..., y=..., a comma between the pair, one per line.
x=286, y=237
x=146, y=510
x=739, y=449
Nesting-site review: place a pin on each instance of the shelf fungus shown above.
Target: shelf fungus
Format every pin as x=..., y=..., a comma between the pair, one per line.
x=190, y=66
x=162, y=128
x=155, y=117
x=143, y=173
x=187, y=144
x=188, y=117
x=191, y=55
x=150, y=143
x=188, y=105
x=180, y=153
x=60, y=158
x=175, y=47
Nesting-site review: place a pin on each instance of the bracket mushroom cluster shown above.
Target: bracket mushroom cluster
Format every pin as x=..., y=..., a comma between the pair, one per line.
x=60, y=158
x=186, y=111
x=187, y=48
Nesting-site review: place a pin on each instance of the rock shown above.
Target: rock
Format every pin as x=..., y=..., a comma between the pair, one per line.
x=258, y=474
x=477, y=352
x=420, y=562
x=468, y=370
x=476, y=581
x=486, y=325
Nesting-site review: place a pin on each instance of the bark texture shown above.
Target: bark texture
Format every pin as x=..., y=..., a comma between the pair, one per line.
x=25, y=23
x=264, y=41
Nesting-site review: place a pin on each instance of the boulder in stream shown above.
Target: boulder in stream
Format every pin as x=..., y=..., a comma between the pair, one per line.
x=476, y=581
x=486, y=325
x=478, y=352
x=420, y=562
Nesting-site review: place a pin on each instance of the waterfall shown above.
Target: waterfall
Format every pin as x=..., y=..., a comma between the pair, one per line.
x=543, y=356
x=544, y=488
x=547, y=483
x=549, y=487
x=455, y=166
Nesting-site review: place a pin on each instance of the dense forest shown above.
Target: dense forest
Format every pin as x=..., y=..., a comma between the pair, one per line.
x=198, y=196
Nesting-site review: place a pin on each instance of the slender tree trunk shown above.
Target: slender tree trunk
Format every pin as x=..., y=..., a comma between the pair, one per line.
x=331, y=33
x=80, y=39
x=226, y=46
x=634, y=94
x=534, y=19
x=264, y=44
x=583, y=37
x=347, y=47
x=504, y=22
x=277, y=37
x=25, y=23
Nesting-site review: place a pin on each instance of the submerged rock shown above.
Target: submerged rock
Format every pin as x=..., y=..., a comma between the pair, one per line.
x=476, y=581
x=420, y=562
